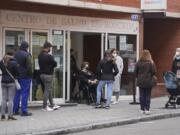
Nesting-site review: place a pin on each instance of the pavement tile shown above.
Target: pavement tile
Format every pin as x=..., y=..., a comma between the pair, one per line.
x=83, y=116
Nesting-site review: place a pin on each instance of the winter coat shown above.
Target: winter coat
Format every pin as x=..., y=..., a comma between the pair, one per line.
x=12, y=68
x=107, y=70
x=85, y=76
x=144, y=71
x=23, y=59
x=46, y=63
x=117, y=81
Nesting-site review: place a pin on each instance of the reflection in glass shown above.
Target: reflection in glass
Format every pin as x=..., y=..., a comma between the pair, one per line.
x=13, y=40
x=38, y=39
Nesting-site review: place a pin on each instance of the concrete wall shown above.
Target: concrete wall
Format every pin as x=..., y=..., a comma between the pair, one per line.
x=128, y=3
x=53, y=9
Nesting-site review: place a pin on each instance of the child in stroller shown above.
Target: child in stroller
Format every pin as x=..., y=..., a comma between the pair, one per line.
x=172, y=85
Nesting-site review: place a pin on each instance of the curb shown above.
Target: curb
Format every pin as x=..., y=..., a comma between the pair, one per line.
x=106, y=124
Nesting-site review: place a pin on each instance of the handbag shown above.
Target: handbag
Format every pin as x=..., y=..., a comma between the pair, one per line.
x=18, y=86
x=154, y=81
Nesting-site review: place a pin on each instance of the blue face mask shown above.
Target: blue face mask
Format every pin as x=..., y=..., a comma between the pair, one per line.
x=178, y=57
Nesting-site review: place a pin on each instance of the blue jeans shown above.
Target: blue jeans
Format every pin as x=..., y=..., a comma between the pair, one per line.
x=109, y=91
x=145, y=98
x=22, y=94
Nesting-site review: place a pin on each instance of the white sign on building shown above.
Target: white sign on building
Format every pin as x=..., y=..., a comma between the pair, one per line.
x=153, y=4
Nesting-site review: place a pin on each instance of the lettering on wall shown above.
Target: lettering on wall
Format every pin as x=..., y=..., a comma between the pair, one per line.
x=25, y=19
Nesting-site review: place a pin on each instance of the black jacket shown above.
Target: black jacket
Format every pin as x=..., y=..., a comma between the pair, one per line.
x=12, y=68
x=23, y=59
x=46, y=63
x=106, y=70
x=84, y=76
x=144, y=71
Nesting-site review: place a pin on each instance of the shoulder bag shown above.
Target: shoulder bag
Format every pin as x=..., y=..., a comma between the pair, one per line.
x=18, y=86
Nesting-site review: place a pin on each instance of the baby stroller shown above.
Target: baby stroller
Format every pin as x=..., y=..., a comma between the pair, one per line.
x=173, y=87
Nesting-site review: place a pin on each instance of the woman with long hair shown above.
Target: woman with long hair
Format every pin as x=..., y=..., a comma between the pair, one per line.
x=8, y=66
x=145, y=70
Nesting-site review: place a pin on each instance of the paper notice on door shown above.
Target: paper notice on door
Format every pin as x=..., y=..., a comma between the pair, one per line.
x=112, y=42
x=178, y=74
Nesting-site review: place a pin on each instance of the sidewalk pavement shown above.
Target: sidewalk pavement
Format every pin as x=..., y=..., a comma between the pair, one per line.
x=83, y=117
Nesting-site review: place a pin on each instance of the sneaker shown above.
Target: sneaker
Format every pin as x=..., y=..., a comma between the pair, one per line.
x=55, y=107
x=107, y=107
x=115, y=102
x=98, y=106
x=26, y=114
x=11, y=118
x=16, y=113
x=147, y=112
x=142, y=111
x=48, y=109
x=3, y=117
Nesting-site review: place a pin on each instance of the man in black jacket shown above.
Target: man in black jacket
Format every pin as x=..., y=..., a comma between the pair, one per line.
x=47, y=65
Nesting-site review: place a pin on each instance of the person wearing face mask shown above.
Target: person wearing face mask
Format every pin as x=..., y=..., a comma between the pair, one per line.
x=117, y=82
x=47, y=65
x=106, y=71
x=88, y=78
x=176, y=64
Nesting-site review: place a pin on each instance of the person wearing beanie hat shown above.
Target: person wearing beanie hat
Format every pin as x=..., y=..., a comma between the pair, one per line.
x=24, y=45
x=47, y=65
x=23, y=58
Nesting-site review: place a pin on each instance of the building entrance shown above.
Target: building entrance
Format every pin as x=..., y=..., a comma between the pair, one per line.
x=84, y=47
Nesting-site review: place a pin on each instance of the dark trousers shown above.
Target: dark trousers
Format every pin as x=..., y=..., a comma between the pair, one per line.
x=145, y=98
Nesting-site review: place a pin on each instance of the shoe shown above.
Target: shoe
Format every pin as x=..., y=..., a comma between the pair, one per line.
x=26, y=114
x=98, y=106
x=147, y=112
x=11, y=118
x=142, y=112
x=115, y=102
x=48, y=109
x=3, y=117
x=16, y=113
x=107, y=107
x=55, y=107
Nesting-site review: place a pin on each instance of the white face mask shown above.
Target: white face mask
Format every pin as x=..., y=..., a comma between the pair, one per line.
x=177, y=53
x=114, y=54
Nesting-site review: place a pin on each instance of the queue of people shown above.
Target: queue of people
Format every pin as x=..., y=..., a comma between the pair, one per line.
x=109, y=71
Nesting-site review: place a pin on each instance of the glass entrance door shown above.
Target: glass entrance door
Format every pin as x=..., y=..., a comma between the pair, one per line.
x=13, y=39
x=37, y=40
x=55, y=37
x=58, y=52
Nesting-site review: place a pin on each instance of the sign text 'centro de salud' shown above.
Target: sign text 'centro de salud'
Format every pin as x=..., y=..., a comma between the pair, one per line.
x=153, y=4
x=36, y=20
